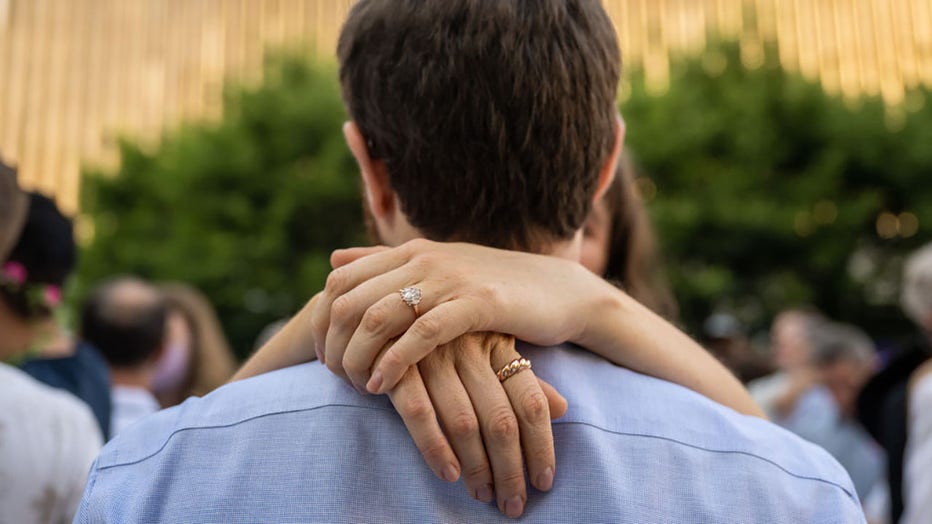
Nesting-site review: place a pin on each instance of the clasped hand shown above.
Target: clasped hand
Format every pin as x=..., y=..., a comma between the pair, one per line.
x=439, y=368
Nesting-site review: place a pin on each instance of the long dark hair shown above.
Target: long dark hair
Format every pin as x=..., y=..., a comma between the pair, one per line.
x=633, y=256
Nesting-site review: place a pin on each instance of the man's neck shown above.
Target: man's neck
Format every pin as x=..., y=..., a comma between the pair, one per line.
x=569, y=249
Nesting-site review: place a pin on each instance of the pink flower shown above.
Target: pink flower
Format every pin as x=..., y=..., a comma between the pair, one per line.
x=15, y=272
x=52, y=296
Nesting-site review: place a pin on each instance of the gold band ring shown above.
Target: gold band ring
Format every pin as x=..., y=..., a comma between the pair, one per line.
x=513, y=368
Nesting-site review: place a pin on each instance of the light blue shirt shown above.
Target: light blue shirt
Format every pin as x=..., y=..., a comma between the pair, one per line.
x=299, y=445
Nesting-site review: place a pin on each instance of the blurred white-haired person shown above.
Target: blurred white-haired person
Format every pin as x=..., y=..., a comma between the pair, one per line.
x=883, y=403
x=916, y=299
x=841, y=359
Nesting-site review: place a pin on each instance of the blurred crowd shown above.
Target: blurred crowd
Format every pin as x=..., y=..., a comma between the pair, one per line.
x=140, y=346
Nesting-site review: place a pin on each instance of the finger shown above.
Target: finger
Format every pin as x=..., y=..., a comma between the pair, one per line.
x=413, y=404
x=555, y=400
x=341, y=257
x=459, y=421
x=375, y=307
x=385, y=320
x=348, y=276
x=433, y=328
x=499, y=427
x=533, y=411
x=377, y=262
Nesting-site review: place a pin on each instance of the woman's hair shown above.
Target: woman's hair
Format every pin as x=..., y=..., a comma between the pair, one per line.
x=632, y=248
x=212, y=361
x=40, y=262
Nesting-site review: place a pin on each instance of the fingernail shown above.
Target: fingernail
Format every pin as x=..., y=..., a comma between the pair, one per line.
x=485, y=494
x=545, y=479
x=375, y=382
x=450, y=474
x=514, y=507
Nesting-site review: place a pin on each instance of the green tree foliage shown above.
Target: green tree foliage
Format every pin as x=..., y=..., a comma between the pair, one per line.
x=247, y=209
x=767, y=194
x=768, y=190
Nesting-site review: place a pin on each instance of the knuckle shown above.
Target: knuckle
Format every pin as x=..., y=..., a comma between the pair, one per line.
x=337, y=280
x=341, y=309
x=375, y=319
x=503, y=426
x=464, y=425
x=511, y=480
x=487, y=292
x=390, y=360
x=477, y=473
x=417, y=409
x=535, y=408
x=426, y=328
x=419, y=244
x=433, y=448
x=335, y=366
x=352, y=367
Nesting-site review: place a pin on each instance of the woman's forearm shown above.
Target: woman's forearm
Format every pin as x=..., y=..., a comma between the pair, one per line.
x=628, y=334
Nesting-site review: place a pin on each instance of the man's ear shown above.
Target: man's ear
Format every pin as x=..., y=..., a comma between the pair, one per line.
x=607, y=174
x=379, y=194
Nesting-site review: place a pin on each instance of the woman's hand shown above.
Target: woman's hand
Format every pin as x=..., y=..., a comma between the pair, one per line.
x=465, y=288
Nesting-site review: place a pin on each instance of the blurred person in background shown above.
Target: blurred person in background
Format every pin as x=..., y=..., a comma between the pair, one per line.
x=917, y=469
x=48, y=438
x=791, y=345
x=197, y=357
x=125, y=319
x=883, y=404
x=842, y=360
x=40, y=261
x=45, y=251
x=724, y=336
x=619, y=245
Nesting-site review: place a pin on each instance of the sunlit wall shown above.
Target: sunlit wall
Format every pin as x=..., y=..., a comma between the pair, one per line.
x=75, y=74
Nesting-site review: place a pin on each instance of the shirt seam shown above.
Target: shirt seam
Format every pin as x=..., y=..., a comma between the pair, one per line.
x=599, y=428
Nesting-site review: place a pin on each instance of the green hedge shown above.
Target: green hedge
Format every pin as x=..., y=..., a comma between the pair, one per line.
x=248, y=210
x=767, y=194
x=769, y=190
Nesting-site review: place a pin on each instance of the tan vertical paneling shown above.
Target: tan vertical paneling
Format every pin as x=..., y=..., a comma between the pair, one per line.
x=77, y=73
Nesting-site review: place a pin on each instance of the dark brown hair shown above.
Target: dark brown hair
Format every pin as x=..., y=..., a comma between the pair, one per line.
x=633, y=257
x=493, y=118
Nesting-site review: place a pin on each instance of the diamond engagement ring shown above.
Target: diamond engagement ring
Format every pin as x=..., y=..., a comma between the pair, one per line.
x=513, y=368
x=412, y=297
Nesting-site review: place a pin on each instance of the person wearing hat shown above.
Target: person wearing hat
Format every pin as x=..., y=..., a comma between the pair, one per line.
x=48, y=438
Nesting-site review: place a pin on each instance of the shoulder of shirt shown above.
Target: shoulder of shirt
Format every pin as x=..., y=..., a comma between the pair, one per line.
x=304, y=387
x=660, y=410
x=650, y=409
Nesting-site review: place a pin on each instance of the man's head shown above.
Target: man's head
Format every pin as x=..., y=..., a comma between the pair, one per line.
x=844, y=357
x=916, y=293
x=125, y=319
x=490, y=122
